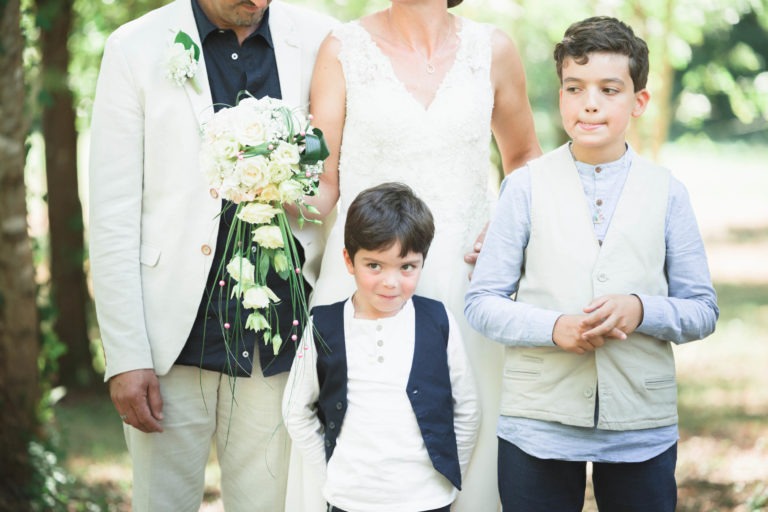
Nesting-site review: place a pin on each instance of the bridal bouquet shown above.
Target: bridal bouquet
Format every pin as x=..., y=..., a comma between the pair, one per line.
x=261, y=155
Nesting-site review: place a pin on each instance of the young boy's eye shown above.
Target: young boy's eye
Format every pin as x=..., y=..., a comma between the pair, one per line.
x=373, y=266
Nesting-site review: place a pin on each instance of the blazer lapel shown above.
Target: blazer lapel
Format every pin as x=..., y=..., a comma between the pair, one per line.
x=288, y=55
x=200, y=99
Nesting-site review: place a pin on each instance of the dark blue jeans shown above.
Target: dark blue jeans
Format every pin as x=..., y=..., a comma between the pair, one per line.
x=529, y=484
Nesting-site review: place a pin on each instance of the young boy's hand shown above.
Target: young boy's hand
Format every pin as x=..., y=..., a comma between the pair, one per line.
x=612, y=316
x=568, y=334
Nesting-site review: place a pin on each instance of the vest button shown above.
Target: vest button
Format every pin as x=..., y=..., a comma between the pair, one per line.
x=602, y=277
x=588, y=393
x=331, y=425
x=339, y=405
x=328, y=442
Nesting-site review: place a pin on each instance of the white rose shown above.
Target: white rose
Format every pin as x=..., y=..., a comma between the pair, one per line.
x=253, y=171
x=241, y=270
x=279, y=171
x=181, y=63
x=257, y=213
x=270, y=193
x=269, y=237
x=290, y=191
x=286, y=153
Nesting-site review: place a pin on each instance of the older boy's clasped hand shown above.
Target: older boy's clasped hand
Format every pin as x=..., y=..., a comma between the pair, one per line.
x=609, y=316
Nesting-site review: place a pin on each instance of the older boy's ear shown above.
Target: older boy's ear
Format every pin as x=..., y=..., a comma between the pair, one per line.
x=348, y=262
x=642, y=98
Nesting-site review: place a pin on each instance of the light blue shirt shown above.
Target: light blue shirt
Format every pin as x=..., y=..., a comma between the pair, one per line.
x=688, y=313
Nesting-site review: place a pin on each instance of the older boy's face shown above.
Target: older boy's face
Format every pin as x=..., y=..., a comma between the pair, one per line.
x=597, y=100
x=384, y=279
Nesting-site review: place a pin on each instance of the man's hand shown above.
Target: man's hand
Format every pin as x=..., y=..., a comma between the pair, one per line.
x=136, y=395
x=568, y=334
x=613, y=316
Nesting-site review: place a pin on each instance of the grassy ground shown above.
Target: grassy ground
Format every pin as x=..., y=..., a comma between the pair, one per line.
x=723, y=452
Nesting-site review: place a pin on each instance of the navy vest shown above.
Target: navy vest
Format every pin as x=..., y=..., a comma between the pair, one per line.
x=428, y=388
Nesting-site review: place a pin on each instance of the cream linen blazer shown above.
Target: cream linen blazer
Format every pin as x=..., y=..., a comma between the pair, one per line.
x=152, y=218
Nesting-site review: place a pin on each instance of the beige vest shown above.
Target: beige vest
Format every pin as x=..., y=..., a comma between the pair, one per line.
x=565, y=268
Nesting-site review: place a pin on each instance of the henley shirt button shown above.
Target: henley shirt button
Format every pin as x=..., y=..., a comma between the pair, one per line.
x=379, y=327
x=214, y=193
x=599, y=202
x=380, y=343
x=602, y=277
x=235, y=56
x=380, y=359
x=205, y=249
x=598, y=169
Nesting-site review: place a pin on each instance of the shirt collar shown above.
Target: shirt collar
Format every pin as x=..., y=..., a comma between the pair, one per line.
x=205, y=26
x=622, y=164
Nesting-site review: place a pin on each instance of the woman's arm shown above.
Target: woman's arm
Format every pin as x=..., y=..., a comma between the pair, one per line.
x=327, y=100
x=512, y=119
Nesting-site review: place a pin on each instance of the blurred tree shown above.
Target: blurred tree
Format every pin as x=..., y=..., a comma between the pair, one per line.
x=19, y=391
x=68, y=292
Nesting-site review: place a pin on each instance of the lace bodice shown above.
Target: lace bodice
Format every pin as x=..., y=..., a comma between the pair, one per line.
x=441, y=151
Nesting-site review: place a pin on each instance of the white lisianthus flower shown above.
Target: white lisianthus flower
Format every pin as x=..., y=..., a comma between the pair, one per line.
x=280, y=262
x=258, y=297
x=257, y=213
x=277, y=342
x=269, y=237
x=256, y=322
x=241, y=270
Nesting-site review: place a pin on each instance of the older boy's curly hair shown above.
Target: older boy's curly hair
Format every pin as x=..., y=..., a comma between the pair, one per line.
x=603, y=34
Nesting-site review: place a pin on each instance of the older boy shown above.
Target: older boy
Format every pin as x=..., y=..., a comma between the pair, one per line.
x=381, y=391
x=603, y=253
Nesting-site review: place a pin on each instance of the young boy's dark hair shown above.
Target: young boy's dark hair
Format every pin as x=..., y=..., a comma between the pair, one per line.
x=603, y=34
x=385, y=214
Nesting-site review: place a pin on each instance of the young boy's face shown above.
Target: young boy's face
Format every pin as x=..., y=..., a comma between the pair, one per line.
x=597, y=100
x=385, y=280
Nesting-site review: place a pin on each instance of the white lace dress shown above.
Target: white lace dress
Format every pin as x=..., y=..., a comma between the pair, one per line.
x=443, y=153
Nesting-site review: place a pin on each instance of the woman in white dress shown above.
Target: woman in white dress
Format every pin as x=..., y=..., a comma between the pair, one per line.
x=411, y=94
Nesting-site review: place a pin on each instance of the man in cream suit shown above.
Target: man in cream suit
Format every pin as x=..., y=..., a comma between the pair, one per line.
x=155, y=234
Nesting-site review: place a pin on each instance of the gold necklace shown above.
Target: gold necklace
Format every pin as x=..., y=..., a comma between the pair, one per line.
x=430, y=68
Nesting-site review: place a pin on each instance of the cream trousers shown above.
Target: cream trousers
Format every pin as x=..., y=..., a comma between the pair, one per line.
x=242, y=416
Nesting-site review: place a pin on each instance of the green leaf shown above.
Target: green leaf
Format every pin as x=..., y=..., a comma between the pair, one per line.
x=315, y=148
x=186, y=40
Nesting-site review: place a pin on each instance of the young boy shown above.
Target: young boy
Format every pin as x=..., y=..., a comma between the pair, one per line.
x=602, y=252
x=381, y=391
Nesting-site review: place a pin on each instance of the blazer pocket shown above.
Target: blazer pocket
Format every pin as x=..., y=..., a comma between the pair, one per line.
x=149, y=255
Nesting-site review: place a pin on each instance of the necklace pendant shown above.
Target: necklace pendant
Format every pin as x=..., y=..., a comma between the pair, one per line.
x=430, y=68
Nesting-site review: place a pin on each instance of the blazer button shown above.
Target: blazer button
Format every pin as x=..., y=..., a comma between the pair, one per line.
x=331, y=425
x=205, y=249
x=339, y=405
x=214, y=193
x=328, y=442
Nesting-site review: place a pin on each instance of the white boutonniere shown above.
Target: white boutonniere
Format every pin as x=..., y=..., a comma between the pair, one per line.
x=183, y=58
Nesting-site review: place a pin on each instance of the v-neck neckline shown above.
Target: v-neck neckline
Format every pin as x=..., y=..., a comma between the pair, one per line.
x=394, y=76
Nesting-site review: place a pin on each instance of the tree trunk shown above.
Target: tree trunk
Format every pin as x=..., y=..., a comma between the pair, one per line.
x=18, y=310
x=68, y=291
